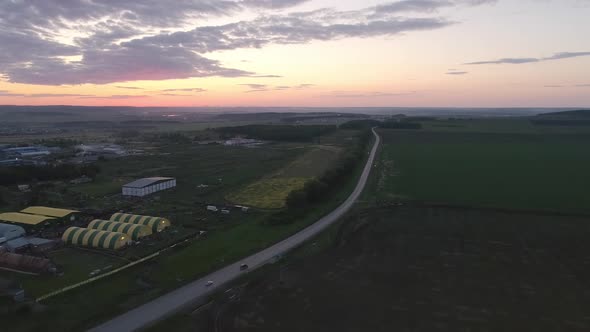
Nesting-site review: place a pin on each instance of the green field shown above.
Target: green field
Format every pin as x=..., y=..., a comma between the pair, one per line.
x=535, y=171
x=271, y=191
x=267, y=193
x=77, y=264
x=420, y=269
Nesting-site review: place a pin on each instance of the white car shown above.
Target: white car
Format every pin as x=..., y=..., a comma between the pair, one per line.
x=209, y=283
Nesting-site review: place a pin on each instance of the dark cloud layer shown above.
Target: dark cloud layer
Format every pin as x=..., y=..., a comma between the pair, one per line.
x=4, y=93
x=265, y=87
x=272, y=4
x=517, y=61
x=373, y=94
x=129, y=87
x=424, y=6
x=456, y=72
x=122, y=41
x=565, y=86
x=185, y=90
x=116, y=97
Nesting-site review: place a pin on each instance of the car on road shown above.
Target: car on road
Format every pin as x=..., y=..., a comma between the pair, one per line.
x=243, y=267
x=209, y=283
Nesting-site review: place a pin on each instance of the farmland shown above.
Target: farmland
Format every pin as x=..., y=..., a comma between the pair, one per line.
x=423, y=269
x=534, y=171
x=480, y=227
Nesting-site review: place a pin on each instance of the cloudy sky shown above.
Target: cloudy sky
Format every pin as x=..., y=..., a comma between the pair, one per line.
x=462, y=53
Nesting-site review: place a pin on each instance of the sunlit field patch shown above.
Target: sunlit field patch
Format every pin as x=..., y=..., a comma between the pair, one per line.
x=269, y=193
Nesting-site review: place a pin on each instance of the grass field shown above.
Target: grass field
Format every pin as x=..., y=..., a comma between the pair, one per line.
x=268, y=193
x=520, y=171
x=423, y=269
x=271, y=191
x=77, y=264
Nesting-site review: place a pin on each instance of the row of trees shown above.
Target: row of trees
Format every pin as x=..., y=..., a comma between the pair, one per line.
x=318, y=190
x=278, y=132
x=170, y=137
x=24, y=174
x=406, y=123
x=401, y=125
x=59, y=142
x=360, y=124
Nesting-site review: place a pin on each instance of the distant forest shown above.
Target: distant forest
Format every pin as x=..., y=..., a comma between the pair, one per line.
x=278, y=132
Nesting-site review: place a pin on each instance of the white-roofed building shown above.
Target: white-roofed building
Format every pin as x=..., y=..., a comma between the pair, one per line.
x=146, y=186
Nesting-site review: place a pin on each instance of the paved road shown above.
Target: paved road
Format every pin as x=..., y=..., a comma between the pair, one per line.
x=180, y=298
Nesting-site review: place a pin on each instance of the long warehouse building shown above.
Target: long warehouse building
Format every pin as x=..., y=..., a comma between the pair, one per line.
x=30, y=222
x=136, y=232
x=64, y=215
x=156, y=224
x=146, y=186
x=94, y=238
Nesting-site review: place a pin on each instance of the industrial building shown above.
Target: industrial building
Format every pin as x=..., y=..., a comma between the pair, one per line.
x=94, y=238
x=39, y=245
x=63, y=215
x=146, y=186
x=27, y=151
x=25, y=263
x=29, y=222
x=9, y=232
x=105, y=150
x=156, y=224
x=16, y=245
x=135, y=232
x=12, y=239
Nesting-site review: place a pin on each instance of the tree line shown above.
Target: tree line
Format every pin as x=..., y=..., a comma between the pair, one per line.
x=360, y=124
x=290, y=133
x=400, y=125
x=406, y=123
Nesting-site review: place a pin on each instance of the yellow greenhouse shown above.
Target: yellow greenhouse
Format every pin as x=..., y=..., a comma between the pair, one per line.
x=134, y=231
x=94, y=238
x=156, y=224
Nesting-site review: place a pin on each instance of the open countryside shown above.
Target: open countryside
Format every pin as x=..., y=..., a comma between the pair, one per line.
x=294, y=165
x=180, y=190
x=470, y=259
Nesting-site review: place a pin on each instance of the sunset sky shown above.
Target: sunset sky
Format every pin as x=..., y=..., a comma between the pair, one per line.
x=419, y=53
